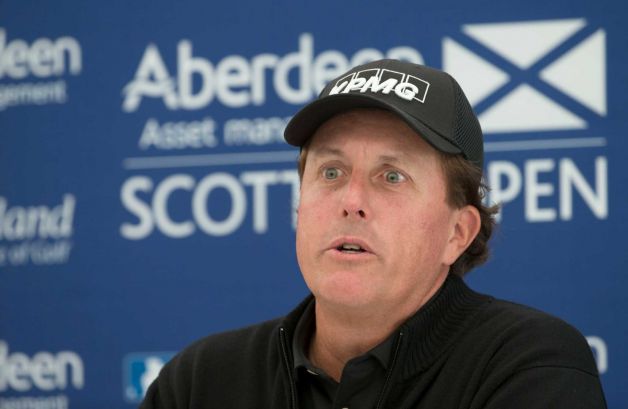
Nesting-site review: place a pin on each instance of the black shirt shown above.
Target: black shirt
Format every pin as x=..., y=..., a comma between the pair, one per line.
x=361, y=381
x=461, y=350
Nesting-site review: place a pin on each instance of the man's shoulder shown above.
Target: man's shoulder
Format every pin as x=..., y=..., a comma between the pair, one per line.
x=511, y=317
x=248, y=350
x=528, y=337
x=225, y=366
x=252, y=339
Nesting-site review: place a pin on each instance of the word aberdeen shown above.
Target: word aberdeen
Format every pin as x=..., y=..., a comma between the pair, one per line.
x=237, y=82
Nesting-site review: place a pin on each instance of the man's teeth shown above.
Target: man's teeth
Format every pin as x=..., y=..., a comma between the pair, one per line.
x=351, y=247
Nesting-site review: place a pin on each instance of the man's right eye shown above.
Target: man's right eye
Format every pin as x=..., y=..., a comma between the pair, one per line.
x=331, y=173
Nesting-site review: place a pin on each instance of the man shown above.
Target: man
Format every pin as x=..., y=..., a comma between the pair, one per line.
x=390, y=217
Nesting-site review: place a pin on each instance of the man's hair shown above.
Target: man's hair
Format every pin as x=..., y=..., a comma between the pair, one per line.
x=464, y=187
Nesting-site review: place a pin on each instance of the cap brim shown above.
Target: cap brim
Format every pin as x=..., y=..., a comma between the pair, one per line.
x=303, y=125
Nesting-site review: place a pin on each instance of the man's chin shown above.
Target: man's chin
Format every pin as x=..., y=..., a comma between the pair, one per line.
x=349, y=295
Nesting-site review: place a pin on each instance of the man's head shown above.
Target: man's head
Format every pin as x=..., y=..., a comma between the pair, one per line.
x=391, y=161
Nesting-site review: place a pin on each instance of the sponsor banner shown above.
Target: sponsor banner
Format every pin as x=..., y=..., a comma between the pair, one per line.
x=34, y=72
x=37, y=235
x=38, y=381
x=564, y=62
x=236, y=81
x=140, y=369
x=159, y=148
x=529, y=77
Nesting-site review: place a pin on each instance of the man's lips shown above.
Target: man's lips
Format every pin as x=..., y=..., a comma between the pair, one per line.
x=350, y=245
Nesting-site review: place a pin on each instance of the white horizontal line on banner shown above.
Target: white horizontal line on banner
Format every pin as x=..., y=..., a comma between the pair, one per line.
x=539, y=144
x=182, y=161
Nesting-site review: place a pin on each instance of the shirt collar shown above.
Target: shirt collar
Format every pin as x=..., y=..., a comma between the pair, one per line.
x=303, y=334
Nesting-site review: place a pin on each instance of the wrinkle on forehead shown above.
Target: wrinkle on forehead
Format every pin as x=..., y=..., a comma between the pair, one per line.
x=328, y=141
x=394, y=156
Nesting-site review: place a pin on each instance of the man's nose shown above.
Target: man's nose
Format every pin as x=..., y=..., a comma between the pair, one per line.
x=355, y=198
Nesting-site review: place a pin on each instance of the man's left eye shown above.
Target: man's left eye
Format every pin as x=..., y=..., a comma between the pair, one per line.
x=332, y=173
x=392, y=176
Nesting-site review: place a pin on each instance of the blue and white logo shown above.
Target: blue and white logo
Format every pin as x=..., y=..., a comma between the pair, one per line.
x=140, y=370
x=538, y=86
x=531, y=76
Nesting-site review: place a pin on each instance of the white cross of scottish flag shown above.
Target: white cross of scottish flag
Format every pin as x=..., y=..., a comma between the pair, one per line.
x=531, y=76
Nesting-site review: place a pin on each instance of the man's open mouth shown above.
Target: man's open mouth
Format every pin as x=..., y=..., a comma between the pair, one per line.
x=350, y=248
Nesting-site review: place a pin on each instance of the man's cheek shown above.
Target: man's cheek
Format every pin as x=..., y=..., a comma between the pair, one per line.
x=309, y=204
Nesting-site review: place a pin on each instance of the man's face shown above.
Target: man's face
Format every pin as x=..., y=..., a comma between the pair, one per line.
x=374, y=227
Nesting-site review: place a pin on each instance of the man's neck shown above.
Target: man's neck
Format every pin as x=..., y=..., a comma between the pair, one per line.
x=341, y=335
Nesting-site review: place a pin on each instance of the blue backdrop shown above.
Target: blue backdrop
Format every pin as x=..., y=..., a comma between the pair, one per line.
x=147, y=198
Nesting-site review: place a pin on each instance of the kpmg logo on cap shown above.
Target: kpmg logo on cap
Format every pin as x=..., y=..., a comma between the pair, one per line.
x=405, y=86
x=531, y=76
x=140, y=370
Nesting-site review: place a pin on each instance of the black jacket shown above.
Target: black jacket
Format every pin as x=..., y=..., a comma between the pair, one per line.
x=460, y=350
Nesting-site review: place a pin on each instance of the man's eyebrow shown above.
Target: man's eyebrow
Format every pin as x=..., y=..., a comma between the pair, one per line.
x=327, y=151
x=398, y=158
x=389, y=158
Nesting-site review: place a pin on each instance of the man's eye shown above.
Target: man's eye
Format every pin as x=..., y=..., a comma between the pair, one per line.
x=331, y=173
x=393, y=176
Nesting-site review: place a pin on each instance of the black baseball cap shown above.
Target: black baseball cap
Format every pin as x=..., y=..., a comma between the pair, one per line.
x=430, y=101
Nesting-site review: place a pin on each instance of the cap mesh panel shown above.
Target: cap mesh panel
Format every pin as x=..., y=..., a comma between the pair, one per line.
x=467, y=131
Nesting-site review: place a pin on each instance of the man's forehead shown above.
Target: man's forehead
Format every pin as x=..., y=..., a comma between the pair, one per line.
x=371, y=155
x=384, y=155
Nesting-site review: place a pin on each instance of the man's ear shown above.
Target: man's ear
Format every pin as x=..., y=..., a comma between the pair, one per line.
x=466, y=227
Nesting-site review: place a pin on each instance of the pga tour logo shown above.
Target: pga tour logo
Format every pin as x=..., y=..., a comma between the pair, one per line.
x=375, y=80
x=531, y=76
x=140, y=370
